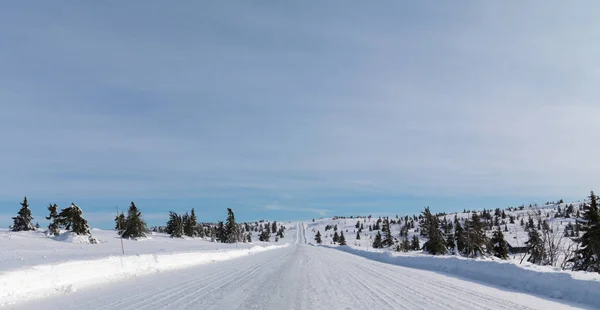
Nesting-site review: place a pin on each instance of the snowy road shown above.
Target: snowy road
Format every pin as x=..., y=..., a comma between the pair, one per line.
x=300, y=276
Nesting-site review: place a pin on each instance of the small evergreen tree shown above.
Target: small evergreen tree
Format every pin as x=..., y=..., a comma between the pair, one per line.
x=190, y=225
x=500, y=248
x=460, y=238
x=120, y=223
x=174, y=225
x=476, y=238
x=231, y=230
x=535, y=248
x=318, y=237
x=222, y=232
x=405, y=244
x=72, y=219
x=436, y=244
x=414, y=245
x=336, y=237
x=388, y=240
x=135, y=227
x=53, y=227
x=22, y=222
x=342, y=239
x=377, y=242
x=265, y=235
x=587, y=258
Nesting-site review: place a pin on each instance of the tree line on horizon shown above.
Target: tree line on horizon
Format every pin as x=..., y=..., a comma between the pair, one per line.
x=132, y=225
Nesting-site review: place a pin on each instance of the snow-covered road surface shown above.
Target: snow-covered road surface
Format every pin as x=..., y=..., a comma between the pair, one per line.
x=300, y=276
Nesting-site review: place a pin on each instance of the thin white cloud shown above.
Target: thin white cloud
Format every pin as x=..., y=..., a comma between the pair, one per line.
x=474, y=99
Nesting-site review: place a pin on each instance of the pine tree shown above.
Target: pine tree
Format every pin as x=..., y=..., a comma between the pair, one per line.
x=221, y=232
x=72, y=219
x=22, y=222
x=342, y=239
x=135, y=227
x=388, y=240
x=436, y=243
x=499, y=246
x=231, y=230
x=460, y=238
x=425, y=222
x=476, y=238
x=249, y=237
x=120, y=223
x=274, y=226
x=377, y=242
x=405, y=244
x=414, y=245
x=53, y=227
x=336, y=237
x=587, y=258
x=535, y=248
x=190, y=225
x=265, y=235
x=174, y=225
x=318, y=237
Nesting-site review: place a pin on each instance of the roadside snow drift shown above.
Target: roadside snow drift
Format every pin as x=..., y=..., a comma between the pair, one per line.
x=555, y=284
x=43, y=280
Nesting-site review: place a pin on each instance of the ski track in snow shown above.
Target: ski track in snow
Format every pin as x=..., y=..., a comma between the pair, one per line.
x=300, y=276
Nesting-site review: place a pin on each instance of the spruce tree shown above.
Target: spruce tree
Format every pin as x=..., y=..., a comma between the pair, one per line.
x=436, y=244
x=53, y=227
x=174, y=225
x=535, y=248
x=120, y=223
x=222, y=232
x=460, y=238
x=190, y=225
x=318, y=237
x=265, y=235
x=377, y=242
x=499, y=246
x=587, y=258
x=72, y=219
x=342, y=239
x=424, y=222
x=22, y=222
x=475, y=236
x=231, y=231
x=414, y=245
x=405, y=244
x=135, y=227
x=388, y=240
x=336, y=237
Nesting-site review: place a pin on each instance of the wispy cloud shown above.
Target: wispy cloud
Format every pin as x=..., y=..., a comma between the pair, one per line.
x=242, y=104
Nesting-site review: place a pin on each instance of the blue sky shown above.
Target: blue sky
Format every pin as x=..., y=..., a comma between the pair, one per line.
x=296, y=110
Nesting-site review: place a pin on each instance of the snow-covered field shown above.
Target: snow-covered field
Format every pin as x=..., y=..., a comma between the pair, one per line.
x=161, y=272
x=299, y=276
x=33, y=265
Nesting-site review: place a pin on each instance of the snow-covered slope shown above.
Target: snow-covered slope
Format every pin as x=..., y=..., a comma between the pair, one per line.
x=298, y=277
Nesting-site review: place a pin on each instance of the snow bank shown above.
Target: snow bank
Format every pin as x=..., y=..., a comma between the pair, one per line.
x=577, y=287
x=43, y=280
